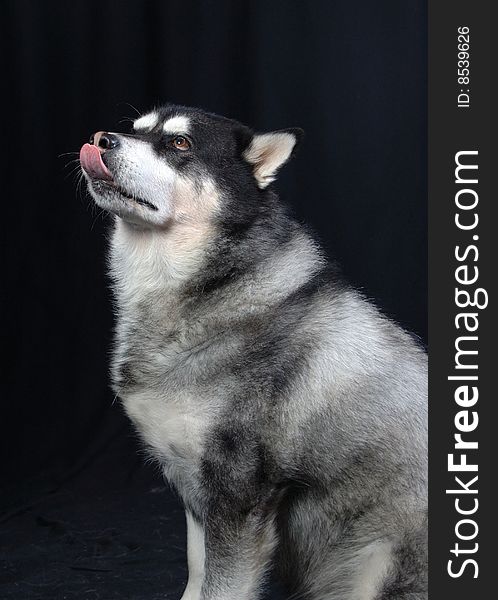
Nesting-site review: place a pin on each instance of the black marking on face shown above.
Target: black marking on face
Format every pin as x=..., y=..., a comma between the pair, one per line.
x=216, y=147
x=214, y=144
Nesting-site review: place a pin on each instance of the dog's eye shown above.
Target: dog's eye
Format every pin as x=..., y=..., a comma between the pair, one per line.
x=180, y=143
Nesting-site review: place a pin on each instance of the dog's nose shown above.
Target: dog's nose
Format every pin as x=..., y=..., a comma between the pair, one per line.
x=104, y=140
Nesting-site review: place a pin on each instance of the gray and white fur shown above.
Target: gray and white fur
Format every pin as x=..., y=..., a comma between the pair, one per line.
x=288, y=413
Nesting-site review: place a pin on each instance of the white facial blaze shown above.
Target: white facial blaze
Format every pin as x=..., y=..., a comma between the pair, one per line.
x=145, y=174
x=146, y=122
x=178, y=124
x=267, y=152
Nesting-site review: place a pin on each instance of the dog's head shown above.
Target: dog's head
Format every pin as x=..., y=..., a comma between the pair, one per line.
x=182, y=165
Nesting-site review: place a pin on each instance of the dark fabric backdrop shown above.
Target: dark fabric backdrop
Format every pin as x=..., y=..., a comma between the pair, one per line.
x=352, y=73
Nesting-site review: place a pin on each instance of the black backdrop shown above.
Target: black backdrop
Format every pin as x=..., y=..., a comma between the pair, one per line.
x=352, y=73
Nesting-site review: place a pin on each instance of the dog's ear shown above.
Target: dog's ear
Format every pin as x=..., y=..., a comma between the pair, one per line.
x=267, y=152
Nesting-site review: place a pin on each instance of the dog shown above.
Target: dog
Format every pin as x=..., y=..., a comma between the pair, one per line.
x=287, y=412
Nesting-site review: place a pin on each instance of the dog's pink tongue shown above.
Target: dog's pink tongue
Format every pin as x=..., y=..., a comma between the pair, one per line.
x=91, y=161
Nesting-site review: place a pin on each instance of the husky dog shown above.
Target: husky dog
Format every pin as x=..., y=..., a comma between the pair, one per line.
x=287, y=412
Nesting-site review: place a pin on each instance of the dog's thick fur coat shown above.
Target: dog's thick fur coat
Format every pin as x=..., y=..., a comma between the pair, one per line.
x=288, y=413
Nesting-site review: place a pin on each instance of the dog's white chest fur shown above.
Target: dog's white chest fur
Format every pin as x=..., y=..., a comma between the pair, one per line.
x=171, y=418
x=168, y=425
x=173, y=428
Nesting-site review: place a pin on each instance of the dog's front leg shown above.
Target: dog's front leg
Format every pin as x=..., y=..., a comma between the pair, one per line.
x=238, y=550
x=195, y=558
